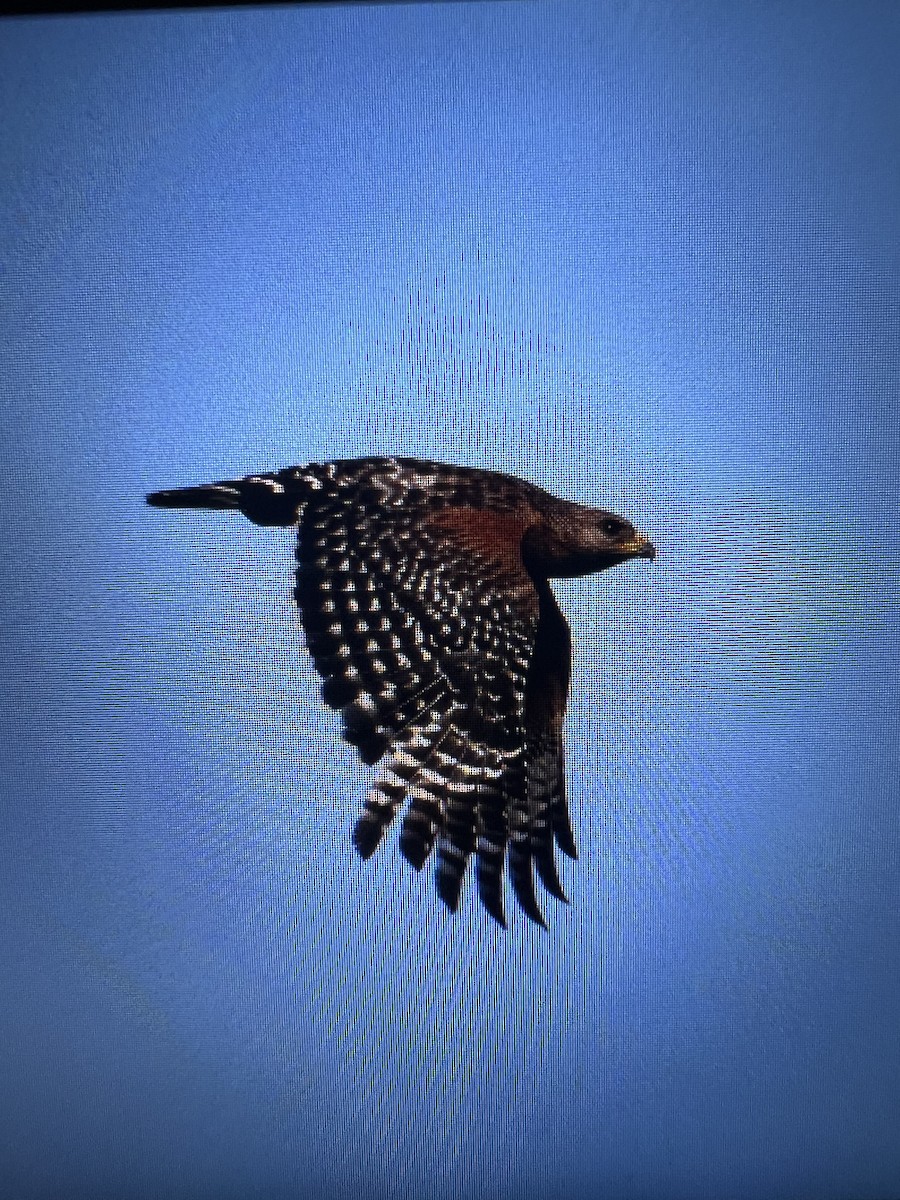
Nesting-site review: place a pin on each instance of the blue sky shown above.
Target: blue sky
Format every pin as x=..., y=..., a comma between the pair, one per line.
x=645, y=255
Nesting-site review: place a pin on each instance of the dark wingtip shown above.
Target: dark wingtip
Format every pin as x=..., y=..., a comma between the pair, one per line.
x=414, y=849
x=494, y=905
x=521, y=876
x=528, y=902
x=550, y=876
x=537, y=917
x=366, y=836
x=499, y=917
x=565, y=839
x=550, y=879
x=448, y=878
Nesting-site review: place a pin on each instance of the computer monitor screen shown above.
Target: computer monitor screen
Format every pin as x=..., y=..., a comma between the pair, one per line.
x=483, y=780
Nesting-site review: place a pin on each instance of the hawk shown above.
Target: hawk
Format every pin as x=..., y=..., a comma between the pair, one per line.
x=424, y=594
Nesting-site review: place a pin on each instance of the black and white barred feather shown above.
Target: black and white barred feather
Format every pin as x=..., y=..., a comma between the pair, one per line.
x=424, y=598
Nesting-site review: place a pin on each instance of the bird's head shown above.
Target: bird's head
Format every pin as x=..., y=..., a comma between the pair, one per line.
x=575, y=540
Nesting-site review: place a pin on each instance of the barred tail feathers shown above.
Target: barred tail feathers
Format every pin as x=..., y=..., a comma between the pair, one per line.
x=211, y=495
x=264, y=499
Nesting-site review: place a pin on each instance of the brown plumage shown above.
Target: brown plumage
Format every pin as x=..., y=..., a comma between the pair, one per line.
x=424, y=594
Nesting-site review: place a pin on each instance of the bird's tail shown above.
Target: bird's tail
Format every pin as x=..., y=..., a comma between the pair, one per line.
x=265, y=499
x=210, y=495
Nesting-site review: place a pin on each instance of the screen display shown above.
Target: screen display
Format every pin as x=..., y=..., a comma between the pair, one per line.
x=639, y=258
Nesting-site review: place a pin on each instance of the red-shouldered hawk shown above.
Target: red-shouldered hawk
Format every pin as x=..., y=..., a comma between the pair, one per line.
x=424, y=594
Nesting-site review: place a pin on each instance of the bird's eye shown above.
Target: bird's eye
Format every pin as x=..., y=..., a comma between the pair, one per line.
x=613, y=528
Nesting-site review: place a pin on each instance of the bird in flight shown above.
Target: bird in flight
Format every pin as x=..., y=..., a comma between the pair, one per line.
x=424, y=594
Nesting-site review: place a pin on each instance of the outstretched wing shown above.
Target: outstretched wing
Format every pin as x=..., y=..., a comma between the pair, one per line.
x=540, y=815
x=423, y=623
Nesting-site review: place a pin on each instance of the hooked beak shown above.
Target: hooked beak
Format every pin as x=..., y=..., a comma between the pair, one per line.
x=640, y=547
